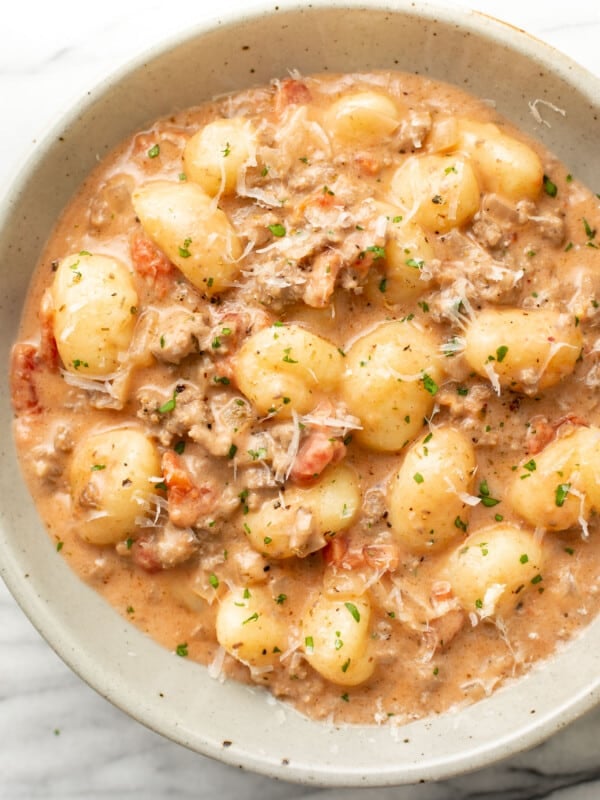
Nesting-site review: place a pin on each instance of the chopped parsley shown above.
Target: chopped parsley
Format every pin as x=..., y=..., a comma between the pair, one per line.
x=429, y=384
x=97, y=467
x=550, y=187
x=501, y=352
x=154, y=151
x=182, y=649
x=354, y=611
x=418, y=478
x=184, y=250
x=560, y=495
x=485, y=497
x=213, y=580
x=277, y=229
x=415, y=263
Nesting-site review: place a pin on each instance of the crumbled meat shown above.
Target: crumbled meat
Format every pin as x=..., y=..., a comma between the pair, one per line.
x=164, y=549
x=189, y=498
x=178, y=333
x=24, y=393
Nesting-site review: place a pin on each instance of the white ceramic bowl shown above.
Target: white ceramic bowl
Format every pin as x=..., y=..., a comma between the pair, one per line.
x=234, y=723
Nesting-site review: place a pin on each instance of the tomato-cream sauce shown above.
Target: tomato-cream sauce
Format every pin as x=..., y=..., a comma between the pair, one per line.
x=339, y=335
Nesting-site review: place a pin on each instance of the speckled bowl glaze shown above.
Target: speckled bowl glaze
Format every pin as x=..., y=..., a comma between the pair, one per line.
x=236, y=724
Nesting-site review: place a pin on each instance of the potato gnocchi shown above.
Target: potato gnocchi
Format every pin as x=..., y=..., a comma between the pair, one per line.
x=306, y=387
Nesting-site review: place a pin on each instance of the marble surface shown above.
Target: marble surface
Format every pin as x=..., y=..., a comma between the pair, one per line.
x=58, y=739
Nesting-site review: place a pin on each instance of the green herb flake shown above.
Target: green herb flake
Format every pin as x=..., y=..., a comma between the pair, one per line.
x=524, y=558
x=226, y=150
x=550, y=187
x=213, y=580
x=59, y=546
x=569, y=550
x=418, y=478
x=345, y=697
x=309, y=644
x=378, y=252
x=182, y=649
x=169, y=405
x=179, y=447
x=589, y=231
x=222, y=379
x=462, y=391
x=251, y=618
x=277, y=229
x=537, y=579
x=383, y=285
x=484, y=496
x=460, y=524
x=97, y=467
x=530, y=466
x=478, y=603
x=78, y=362
x=232, y=451
x=280, y=599
x=184, y=251
x=353, y=611
x=501, y=352
x=345, y=665
x=154, y=151
x=429, y=384
x=560, y=495
x=287, y=358
x=415, y=263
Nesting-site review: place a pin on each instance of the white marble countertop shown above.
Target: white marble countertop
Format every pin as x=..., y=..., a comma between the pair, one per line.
x=58, y=739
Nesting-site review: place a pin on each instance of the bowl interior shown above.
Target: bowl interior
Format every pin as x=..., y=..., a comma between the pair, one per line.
x=237, y=724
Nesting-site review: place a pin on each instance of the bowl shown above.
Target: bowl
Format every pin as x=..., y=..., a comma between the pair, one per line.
x=239, y=725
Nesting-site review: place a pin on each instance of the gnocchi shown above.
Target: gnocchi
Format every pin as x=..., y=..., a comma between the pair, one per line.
x=94, y=311
x=336, y=638
x=111, y=481
x=558, y=488
x=429, y=495
x=503, y=163
x=390, y=382
x=193, y=232
x=440, y=192
x=492, y=568
x=301, y=366
x=302, y=522
x=214, y=155
x=363, y=117
x=523, y=350
x=249, y=627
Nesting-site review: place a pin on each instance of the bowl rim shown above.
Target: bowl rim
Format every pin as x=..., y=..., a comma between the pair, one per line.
x=36, y=606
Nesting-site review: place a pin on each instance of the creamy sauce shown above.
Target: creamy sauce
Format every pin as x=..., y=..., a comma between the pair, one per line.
x=323, y=232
